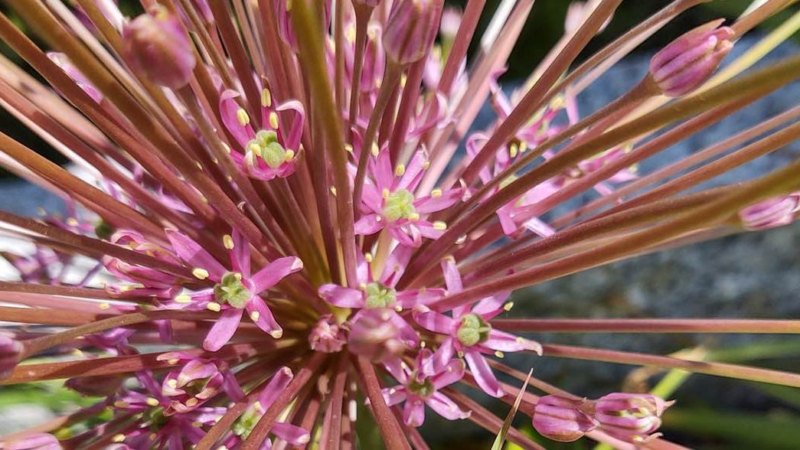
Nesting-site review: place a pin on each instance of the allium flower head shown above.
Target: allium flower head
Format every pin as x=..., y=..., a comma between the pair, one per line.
x=282, y=216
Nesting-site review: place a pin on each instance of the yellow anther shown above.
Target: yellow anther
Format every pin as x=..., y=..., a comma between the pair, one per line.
x=191, y=402
x=255, y=315
x=242, y=117
x=238, y=276
x=375, y=150
x=277, y=334
x=368, y=257
x=426, y=165
x=199, y=166
x=266, y=98
x=520, y=340
x=183, y=298
x=289, y=155
x=523, y=146
x=362, y=286
x=508, y=306
x=227, y=241
x=255, y=148
x=499, y=354
x=151, y=401
x=173, y=383
x=385, y=193
x=398, y=308
x=513, y=150
x=399, y=170
x=436, y=193
x=200, y=274
x=273, y=120
x=348, y=148
x=257, y=405
x=104, y=305
x=226, y=147
x=121, y=404
x=73, y=222
x=413, y=216
x=439, y=225
x=333, y=190
x=403, y=80
x=173, y=361
x=213, y=306
x=118, y=438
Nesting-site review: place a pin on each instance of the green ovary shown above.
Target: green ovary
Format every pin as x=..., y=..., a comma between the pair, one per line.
x=399, y=205
x=473, y=330
x=380, y=296
x=266, y=146
x=422, y=388
x=231, y=290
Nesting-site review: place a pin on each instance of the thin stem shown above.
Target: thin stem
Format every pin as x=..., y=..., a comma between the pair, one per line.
x=387, y=423
x=738, y=326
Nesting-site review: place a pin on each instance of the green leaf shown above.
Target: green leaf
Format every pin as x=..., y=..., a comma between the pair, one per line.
x=501, y=437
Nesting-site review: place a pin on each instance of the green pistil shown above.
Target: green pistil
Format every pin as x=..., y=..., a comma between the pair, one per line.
x=399, y=205
x=155, y=418
x=473, y=330
x=246, y=422
x=423, y=389
x=380, y=296
x=266, y=146
x=232, y=291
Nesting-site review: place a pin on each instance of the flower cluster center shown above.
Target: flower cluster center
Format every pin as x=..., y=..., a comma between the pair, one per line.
x=266, y=146
x=380, y=296
x=473, y=330
x=399, y=205
x=232, y=290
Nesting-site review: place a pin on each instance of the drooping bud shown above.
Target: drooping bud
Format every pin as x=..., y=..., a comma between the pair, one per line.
x=35, y=441
x=63, y=62
x=561, y=419
x=771, y=213
x=691, y=59
x=10, y=353
x=630, y=417
x=327, y=336
x=374, y=336
x=411, y=30
x=156, y=47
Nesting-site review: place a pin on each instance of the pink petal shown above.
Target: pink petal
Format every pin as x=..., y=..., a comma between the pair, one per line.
x=192, y=253
x=414, y=412
x=451, y=373
x=341, y=296
x=407, y=234
x=274, y=272
x=427, y=230
x=505, y=342
x=394, y=396
x=491, y=305
x=443, y=355
x=276, y=385
x=383, y=170
x=227, y=109
x=369, y=224
x=445, y=407
x=223, y=329
x=292, y=434
x=291, y=140
x=433, y=204
x=240, y=255
x=483, y=374
x=407, y=332
x=434, y=321
x=413, y=173
x=265, y=320
x=411, y=298
x=452, y=278
x=395, y=367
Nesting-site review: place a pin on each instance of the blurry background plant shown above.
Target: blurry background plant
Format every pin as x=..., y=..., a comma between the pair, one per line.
x=773, y=422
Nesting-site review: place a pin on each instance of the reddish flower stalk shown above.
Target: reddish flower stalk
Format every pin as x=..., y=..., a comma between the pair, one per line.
x=273, y=197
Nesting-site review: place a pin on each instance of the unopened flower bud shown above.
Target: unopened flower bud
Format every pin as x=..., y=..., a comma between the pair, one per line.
x=561, y=419
x=691, y=59
x=10, y=352
x=156, y=47
x=327, y=336
x=411, y=30
x=771, y=213
x=630, y=417
x=35, y=441
x=374, y=336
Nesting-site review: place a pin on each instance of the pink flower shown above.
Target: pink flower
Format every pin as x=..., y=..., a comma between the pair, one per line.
x=153, y=282
x=272, y=151
x=411, y=29
x=236, y=290
x=771, y=213
x=197, y=381
x=241, y=429
x=420, y=386
x=630, y=417
x=327, y=336
x=377, y=334
x=561, y=419
x=470, y=334
x=156, y=46
x=389, y=202
x=691, y=59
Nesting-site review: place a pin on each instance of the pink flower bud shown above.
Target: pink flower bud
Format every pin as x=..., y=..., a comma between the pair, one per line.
x=689, y=60
x=451, y=22
x=36, y=441
x=411, y=30
x=327, y=336
x=10, y=352
x=561, y=419
x=156, y=47
x=374, y=336
x=630, y=417
x=771, y=213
